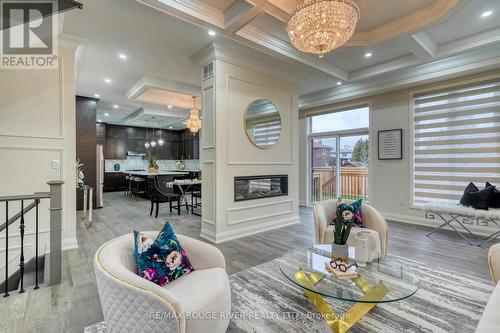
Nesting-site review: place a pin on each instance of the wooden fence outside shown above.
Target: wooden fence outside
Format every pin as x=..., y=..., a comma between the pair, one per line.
x=353, y=183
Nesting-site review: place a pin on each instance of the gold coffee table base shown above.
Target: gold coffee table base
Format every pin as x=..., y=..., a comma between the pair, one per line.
x=341, y=324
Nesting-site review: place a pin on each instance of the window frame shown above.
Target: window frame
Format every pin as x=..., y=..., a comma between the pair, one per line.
x=338, y=134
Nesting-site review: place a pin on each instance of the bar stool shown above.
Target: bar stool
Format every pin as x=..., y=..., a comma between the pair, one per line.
x=195, y=195
x=128, y=189
x=138, y=181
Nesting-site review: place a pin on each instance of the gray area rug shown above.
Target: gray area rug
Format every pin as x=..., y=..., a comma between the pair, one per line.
x=265, y=301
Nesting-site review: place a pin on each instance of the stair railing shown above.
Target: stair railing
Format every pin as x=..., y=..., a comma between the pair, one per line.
x=55, y=196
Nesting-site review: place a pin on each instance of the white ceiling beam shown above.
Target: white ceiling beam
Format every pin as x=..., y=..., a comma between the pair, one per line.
x=270, y=42
x=423, y=46
x=239, y=14
x=197, y=9
x=473, y=62
x=384, y=68
x=469, y=43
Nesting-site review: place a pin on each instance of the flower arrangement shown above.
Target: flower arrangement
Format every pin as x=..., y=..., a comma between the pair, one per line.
x=343, y=222
x=180, y=165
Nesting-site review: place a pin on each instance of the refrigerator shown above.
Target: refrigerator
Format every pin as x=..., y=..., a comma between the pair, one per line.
x=99, y=177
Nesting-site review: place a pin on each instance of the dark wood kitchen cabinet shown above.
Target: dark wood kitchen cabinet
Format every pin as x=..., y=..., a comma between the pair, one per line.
x=114, y=181
x=86, y=141
x=189, y=145
x=119, y=140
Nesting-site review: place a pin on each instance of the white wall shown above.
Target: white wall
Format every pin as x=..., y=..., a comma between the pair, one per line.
x=37, y=125
x=228, y=152
x=390, y=180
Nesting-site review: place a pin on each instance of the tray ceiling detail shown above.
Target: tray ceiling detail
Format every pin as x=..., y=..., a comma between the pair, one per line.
x=400, y=26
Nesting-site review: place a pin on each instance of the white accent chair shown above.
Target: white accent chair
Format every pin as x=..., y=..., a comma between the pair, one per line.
x=185, y=305
x=375, y=224
x=490, y=320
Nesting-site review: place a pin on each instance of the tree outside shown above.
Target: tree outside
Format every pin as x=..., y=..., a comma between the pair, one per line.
x=360, y=151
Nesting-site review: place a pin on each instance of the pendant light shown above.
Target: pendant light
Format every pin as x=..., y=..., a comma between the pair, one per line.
x=153, y=142
x=147, y=142
x=193, y=123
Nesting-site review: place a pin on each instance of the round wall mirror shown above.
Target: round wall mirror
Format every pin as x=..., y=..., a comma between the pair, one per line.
x=263, y=123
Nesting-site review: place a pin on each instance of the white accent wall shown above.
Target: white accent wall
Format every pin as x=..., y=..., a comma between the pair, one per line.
x=37, y=126
x=227, y=152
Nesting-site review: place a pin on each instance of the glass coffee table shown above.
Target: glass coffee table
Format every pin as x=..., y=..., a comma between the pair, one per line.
x=382, y=281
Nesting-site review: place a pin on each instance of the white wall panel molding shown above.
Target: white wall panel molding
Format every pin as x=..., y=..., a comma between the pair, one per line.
x=268, y=210
x=54, y=101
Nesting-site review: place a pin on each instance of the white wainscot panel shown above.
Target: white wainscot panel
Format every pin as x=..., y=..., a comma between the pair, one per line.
x=261, y=211
x=208, y=140
x=208, y=188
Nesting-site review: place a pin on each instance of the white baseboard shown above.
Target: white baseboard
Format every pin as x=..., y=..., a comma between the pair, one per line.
x=221, y=237
x=69, y=244
x=433, y=223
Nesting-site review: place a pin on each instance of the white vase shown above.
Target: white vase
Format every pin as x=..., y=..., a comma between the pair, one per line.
x=362, y=249
x=340, y=251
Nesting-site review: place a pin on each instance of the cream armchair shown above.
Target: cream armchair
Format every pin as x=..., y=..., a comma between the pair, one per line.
x=374, y=222
x=197, y=302
x=490, y=320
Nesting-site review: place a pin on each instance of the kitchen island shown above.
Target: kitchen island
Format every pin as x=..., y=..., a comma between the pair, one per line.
x=157, y=173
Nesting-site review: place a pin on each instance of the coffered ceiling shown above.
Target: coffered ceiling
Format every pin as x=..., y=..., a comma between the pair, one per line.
x=398, y=34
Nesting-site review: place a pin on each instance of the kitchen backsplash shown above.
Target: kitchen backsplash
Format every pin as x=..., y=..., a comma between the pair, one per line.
x=138, y=163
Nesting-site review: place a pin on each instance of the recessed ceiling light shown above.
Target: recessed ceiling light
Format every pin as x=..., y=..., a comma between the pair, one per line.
x=122, y=56
x=99, y=120
x=107, y=80
x=368, y=55
x=211, y=33
x=106, y=114
x=116, y=106
x=487, y=13
x=170, y=106
x=97, y=96
x=339, y=83
x=170, y=127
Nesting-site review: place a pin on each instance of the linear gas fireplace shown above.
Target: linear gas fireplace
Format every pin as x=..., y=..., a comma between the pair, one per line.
x=258, y=187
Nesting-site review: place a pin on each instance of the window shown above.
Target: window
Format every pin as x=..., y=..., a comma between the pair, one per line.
x=339, y=144
x=456, y=141
x=341, y=121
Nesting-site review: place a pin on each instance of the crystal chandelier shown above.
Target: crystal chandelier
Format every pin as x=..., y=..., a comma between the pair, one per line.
x=319, y=26
x=193, y=123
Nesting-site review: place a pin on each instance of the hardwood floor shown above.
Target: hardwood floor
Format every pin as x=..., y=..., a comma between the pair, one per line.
x=74, y=304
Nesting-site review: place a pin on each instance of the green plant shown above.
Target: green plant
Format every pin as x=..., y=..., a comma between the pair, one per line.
x=360, y=151
x=150, y=159
x=343, y=224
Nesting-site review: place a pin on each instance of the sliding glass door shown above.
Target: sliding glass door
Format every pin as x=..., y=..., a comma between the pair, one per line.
x=323, y=166
x=354, y=160
x=339, y=155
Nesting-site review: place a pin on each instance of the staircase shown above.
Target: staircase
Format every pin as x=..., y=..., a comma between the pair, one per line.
x=23, y=254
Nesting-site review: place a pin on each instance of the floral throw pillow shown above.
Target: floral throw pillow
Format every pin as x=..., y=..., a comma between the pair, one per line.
x=161, y=260
x=352, y=211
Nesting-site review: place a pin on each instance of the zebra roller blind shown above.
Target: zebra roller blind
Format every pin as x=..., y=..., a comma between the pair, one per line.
x=267, y=133
x=456, y=141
